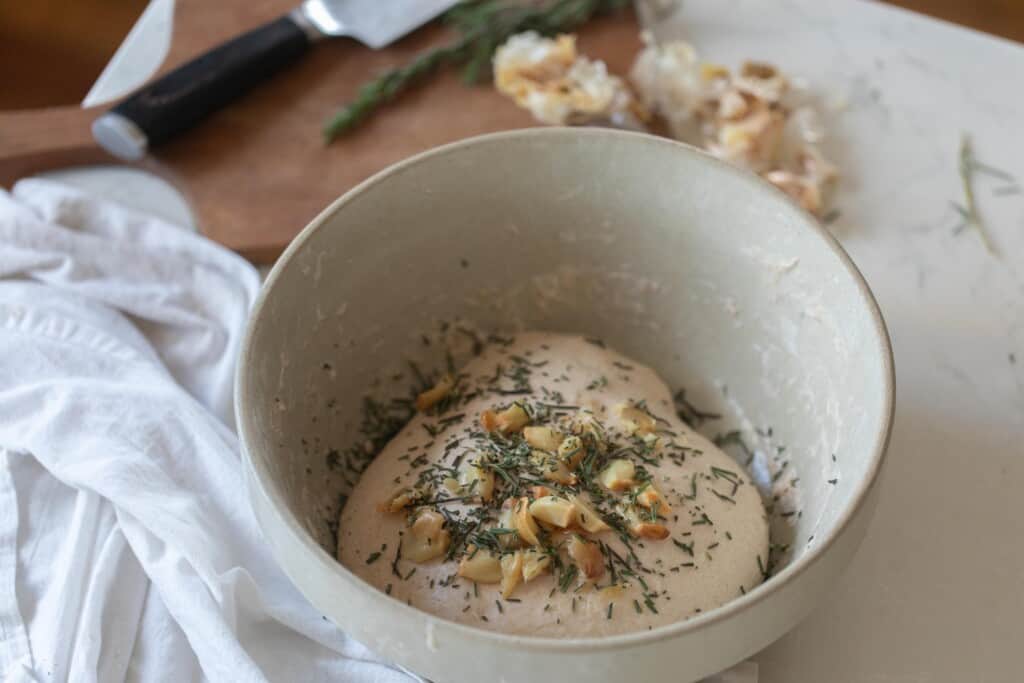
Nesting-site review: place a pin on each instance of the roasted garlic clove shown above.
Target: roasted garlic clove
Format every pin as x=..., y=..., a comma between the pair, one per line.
x=586, y=556
x=427, y=538
x=535, y=563
x=480, y=565
x=512, y=419
x=554, y=510
x=617, y=475
x=586, y=426
x=587, y=517
x=543, y=438
x=649, y=497
x=636, y=421
x=401, y=498
x=570, y=451
x=539, y=492
x=522, y=521
x=641, y=527
x=650, y=530
x=435, y=394
x=476, y=480
x=552, y=469
x=511, y=572
x=489, y=420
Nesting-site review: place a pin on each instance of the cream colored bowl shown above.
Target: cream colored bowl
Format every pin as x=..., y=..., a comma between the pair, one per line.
x=701, y=271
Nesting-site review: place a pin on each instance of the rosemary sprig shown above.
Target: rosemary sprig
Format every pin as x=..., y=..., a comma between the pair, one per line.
x=481, y=27
x=970, y=213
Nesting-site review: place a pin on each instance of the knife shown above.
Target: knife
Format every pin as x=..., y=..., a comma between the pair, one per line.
x=182, y=98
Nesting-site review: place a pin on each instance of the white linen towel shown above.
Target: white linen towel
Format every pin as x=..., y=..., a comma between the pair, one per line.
x=128, y=551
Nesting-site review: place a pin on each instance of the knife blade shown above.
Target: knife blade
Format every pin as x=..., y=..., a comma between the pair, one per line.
x=183, y=97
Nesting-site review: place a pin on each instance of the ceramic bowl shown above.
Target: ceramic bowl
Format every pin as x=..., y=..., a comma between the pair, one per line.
x=699, y=270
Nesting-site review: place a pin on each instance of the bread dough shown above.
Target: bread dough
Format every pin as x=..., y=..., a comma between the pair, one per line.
x=717, y=544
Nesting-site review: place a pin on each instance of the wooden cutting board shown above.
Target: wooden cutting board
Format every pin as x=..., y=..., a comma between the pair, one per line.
x=256, y=172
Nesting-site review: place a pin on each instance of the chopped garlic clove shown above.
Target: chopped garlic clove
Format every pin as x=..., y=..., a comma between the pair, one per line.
x=511, y=572
x=506, y=520
x=427, y=538
x=650, y=530
x=586, y=556
x=489, y=421
x=523, y=522
x=554, y=510
x=535, y=563
x=636, y=421
x=476, y=480
x=587, y=517
x=552, y=469
x=649, y=497
x=513, y=418
x=480, y=565
x=589, y=429
x=571, y=451
x=641, y=527
x=617, y=475
x=435, y=394
x=400, y=499
x=542, y=438
x=539, y=492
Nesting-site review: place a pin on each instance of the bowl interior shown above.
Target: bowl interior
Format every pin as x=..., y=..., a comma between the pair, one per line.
x=702, y=272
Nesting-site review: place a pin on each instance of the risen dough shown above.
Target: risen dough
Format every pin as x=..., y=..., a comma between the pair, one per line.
x=718, y=533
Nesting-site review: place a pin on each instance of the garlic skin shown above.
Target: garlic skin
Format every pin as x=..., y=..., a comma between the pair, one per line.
x=556, y=85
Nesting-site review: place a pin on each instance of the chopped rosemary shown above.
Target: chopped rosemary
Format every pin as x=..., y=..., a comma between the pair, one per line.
x=724, y=497
x=685, y=547
x=689, y=413
x=567, y=578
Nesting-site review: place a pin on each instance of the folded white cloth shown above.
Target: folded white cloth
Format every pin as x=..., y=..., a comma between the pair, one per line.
x=128, y=550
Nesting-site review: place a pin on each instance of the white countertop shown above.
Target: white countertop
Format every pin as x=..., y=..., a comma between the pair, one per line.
x=936, y=592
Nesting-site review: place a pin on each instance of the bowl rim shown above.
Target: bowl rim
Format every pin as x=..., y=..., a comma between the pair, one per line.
x=567, y=645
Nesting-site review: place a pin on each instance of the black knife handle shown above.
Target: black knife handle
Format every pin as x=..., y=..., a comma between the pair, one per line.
x=185, y=96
